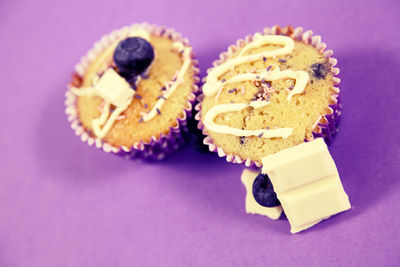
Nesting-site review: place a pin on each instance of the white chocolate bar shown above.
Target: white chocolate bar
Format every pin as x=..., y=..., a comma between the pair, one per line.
x=307, y=183
x=248, y=177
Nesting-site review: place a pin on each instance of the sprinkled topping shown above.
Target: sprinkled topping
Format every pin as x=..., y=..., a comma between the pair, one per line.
x=180, y=80
x=163, y=88
x=269, y=68
x=257, y=77
x=218, y=93
x=223, y=80
x=265, y=91
x=253, y=70
x=138, y=96
x=121, y=117
x=232, y=90
x=161, y=96
x=260, y=135
x=158, y=111
x=267, y=128
x=282, y=60
x=242, y=139
x=101, y=106
x=242, y=90
x=264, y=59
x=141, y=120
x=145, y=105
x=291, y=87
x=168, y=84
x=266, y=84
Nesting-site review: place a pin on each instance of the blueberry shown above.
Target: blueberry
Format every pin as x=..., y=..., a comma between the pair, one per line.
x=319, y=70
x=263, y=192
x=242, y=140
x=132, y=56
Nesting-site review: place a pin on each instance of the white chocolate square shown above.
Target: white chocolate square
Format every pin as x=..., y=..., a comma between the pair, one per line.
x=307, y=183
x=248, y=177
x=114, y=88
x=298, y=165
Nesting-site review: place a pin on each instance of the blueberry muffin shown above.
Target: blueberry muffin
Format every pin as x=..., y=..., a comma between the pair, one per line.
x=271, y=91
x=133, y=92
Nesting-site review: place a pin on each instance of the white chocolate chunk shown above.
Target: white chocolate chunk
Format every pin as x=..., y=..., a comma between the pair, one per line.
x=248, y=177
x=114, y=89
x=307, y=183
x=299, y=165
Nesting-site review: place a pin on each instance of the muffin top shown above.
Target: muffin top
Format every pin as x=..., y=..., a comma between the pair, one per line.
x=160, y=94
x=267, y=95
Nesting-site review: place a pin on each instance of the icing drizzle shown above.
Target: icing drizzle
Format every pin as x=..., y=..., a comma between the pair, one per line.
x=259, y=40
x=102, y=120
x=171, y=86
x=301, y=78
x=215, y=111
x=213, y=85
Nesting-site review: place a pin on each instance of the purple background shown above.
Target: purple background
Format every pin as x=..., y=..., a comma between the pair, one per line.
x=65, y=204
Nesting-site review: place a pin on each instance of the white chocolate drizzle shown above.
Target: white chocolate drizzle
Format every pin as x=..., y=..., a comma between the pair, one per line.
x=213, y=85
x=102, y=120
x=219, y=109
x=172, y=85
x=301, y=78
x=259, y=40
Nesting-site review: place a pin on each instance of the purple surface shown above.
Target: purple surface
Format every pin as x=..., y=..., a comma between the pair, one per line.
x=65, y=204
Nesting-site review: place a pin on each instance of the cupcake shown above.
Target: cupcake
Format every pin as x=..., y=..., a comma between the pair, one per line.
x=270, y=91
x=133, y=92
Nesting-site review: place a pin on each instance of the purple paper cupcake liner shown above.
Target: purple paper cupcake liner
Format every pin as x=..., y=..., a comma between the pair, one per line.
x=326, y=126
x=158, y=147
